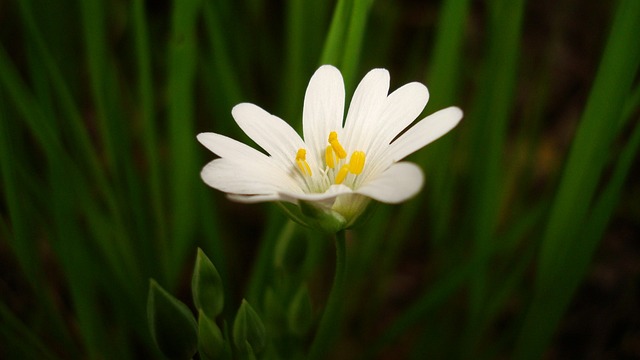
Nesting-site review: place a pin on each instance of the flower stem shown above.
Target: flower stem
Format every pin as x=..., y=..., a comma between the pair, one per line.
x=330, y=322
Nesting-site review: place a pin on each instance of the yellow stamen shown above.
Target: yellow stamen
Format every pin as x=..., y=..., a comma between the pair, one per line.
x=328, y=157
x=356, y=164
x=335, y=144
x=342, y=174
x=301, y=160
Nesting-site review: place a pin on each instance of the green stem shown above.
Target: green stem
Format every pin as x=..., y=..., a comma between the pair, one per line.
x=330, y=322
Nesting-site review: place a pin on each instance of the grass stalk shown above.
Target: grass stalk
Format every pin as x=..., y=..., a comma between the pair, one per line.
x=563, y=241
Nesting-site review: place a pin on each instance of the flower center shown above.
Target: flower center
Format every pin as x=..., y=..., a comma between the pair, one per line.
x=334, y=156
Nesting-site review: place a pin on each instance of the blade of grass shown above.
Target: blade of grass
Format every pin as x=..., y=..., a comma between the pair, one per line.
x=488, y=125
x=443, y=82
x=333, y=44
x=439, y=292
x=71, y=114
x=19, y=336
x=180, y=94
x=146, y=97
x=22, y=240
x=450, y=282
x=352, y=47
x=562, y=241
x=296, y=43
x=71, y=252
x=224, y=68
x=18, y=190
x=93, y=22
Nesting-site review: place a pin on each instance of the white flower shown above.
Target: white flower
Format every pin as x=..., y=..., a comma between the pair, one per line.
x=338, y=167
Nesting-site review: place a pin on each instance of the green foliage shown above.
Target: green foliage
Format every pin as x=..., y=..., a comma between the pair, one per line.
x=211, y=344
x=249, y=333
x=100, y=102
x=172, y=326
x=206, y=286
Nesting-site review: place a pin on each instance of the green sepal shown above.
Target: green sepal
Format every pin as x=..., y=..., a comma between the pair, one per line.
x=248, y=329
x=172, y=325
x=314, y=216
x=206, y=286
x=300, y=314
x=210, y=339
x=326, y=219
x=366, y=215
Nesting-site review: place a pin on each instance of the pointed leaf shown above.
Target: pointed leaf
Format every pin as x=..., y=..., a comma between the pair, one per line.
x=206, y=286
x=172, y=325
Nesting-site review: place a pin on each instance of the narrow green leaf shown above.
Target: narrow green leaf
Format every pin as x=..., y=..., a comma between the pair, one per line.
x=182, y=56
x=563, y=239
x=333, y=46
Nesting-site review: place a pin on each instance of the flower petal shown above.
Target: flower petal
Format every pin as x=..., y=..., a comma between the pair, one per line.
x=401, y=108
x=252, y=199
x=227, y=147
x=247, y=177
x=365, y=110
x=424, y=132
x=270, y=132
x=397, y=184
x=326, y=197
x=323, y=108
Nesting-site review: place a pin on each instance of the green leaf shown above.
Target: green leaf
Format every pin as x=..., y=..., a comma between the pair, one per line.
x=206, y=286
x=172, y=325
x=210, y=338
x=249, y=332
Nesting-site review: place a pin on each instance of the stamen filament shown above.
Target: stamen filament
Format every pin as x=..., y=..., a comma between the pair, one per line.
x=301, y=161
x=335, y=144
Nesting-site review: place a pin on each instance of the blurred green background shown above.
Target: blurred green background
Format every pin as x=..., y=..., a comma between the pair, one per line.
x=523, y=243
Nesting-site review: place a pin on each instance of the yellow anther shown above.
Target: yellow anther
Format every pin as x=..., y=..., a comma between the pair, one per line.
x=328, y=157
x=342, y=174
x=301, y=160
x=335, y=144
x=356, y=164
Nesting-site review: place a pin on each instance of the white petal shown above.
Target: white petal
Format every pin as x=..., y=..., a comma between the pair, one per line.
x=361, y=125
x=270, y=132
x=323, y=108
x=252, y=199
x=229, y=148
x=247, y=178
x=424, y=132
x=401, y=108
x=397, y=184
x=328, y=196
